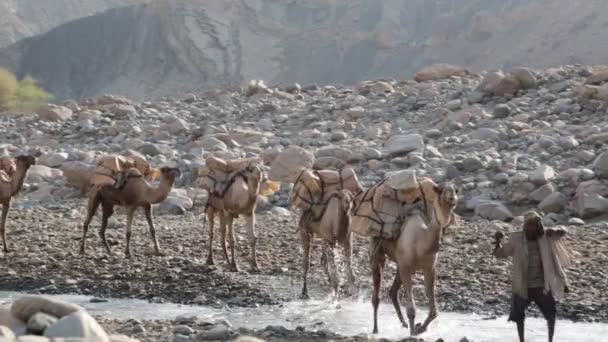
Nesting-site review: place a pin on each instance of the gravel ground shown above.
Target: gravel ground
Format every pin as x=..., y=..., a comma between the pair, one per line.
x=44, y=259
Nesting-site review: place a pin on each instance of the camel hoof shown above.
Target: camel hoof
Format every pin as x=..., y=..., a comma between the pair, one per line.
x=375, y=331
x=255, y=269
x=210, y=262
x=160, y=254
x=419, y=329
x=233, y=268
x=304, y=296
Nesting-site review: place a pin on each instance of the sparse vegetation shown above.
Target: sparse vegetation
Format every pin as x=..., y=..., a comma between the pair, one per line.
x=21, y=95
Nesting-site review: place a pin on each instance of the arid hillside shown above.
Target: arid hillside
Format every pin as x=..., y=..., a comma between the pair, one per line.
x=171, y=47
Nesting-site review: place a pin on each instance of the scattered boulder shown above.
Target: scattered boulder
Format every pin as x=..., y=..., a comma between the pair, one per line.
x=439, y=72
x=403, y=144
x=493, y=211
x=553, y=203
x=600, y=165
x=78, y=174
x=287, y=165
x=77, y=324
x=39, y=173
x=51, y=112
x=542, y=175
x=525, y=77
x=499, y=84
x=26, y=306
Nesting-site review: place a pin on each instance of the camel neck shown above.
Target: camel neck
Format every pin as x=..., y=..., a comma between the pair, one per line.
x=161, y=192
x=18, y=179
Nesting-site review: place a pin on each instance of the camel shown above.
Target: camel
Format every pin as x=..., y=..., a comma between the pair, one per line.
x=238, y=198
x=330, y=220
x=416, y=248
x=9, y=187
x=135, y=193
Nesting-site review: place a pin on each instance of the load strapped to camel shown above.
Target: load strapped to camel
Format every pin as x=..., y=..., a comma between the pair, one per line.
x=216, y=174
x=384, y=208
x=313, y=187
x=114, y=170
x=7, y=169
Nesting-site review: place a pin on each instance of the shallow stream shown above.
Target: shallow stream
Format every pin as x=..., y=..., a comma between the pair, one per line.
x=347, y=318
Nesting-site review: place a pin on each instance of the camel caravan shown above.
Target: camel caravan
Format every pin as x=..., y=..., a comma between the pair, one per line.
x=403, y=217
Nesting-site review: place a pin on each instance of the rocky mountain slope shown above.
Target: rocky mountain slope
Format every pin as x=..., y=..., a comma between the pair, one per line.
x=169, y=47
x=25, y=18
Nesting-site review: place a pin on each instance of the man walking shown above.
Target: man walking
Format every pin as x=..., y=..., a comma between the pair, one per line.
x=538, y=276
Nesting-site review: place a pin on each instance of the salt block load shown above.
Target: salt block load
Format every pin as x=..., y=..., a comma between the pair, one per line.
x=384, y=208
x=321, y=184
x=109, y=167
x=215, y=174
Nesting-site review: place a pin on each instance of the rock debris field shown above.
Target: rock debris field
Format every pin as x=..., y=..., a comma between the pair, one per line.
x=511, y=140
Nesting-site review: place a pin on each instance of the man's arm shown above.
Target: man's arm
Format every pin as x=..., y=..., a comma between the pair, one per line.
x=502, y=251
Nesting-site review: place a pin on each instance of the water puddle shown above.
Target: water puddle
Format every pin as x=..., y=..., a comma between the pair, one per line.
x=347, y=318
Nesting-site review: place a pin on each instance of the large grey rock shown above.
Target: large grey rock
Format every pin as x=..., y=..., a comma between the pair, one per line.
x=218, y=332
x=542, y=175
x=287, y=165
x=26, y=306
x=591, y=204
x=78, y=174
x=6, y=333
x=439, y=72
x=401, y=144
x=51, y=112
x=493, y=211
x=525, y=77
x=38, y=173
x=53, y=159
x=335, y=152
x=485, y=133
x=10, y=322
x=499, y=84
x=472, y=163
x=554, y=203
x=77, y=324
x=502, y=111
x=600, y=165
x=541, y=193
x=40, y=321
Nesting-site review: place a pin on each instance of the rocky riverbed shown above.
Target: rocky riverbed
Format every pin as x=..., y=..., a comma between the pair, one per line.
x=511, y=141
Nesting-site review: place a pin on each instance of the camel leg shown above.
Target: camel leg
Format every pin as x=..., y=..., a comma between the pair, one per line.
x=93, y=204
x=233, y=264
x=306, y=246
x=223, y=223
x=328, y=249
x=253, y=237
x=107, y=211
x=405, y=273
x=5, y=209
x=377, y=266
x=211, y=217
x=394, y=294
x=348, y=252
x=429, y=286
x=130, y=212
x=148, y=212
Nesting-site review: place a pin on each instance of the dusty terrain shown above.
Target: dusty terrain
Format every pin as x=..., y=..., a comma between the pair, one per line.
x=45, y=260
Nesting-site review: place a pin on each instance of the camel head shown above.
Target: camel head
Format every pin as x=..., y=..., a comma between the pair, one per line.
x=24, y=162
x=170, y=173
x=448, y=195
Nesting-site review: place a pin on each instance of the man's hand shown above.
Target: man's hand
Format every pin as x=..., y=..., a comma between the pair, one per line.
x=498, y=236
